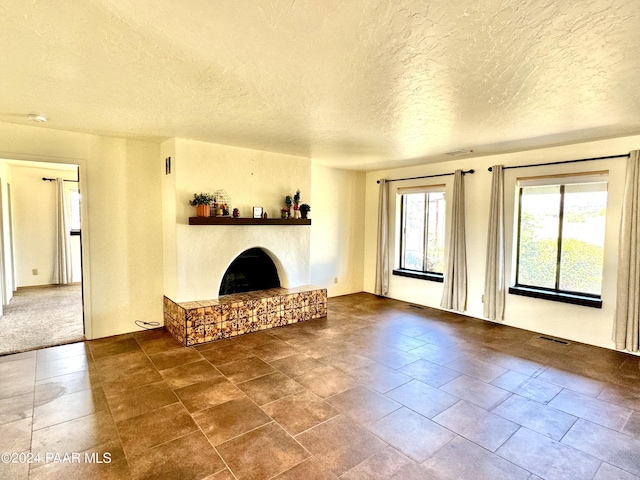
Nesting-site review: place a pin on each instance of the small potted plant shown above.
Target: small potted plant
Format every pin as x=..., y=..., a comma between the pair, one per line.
x=202, y=202
x=304, y=210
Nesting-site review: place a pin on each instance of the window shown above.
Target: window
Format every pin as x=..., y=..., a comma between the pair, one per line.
x=74, y=201
x=422, y=222
x=560, y=248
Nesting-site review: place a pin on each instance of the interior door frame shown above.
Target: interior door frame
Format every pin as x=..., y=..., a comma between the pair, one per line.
x=84, y=222
x=3, y=272
x=12, y=249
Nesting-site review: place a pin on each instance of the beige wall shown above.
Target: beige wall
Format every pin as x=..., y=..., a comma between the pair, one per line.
x=337, y=235
x=578, y=323
x=122, y=226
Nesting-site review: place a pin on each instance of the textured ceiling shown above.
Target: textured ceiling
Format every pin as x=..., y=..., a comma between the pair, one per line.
x=355, y=84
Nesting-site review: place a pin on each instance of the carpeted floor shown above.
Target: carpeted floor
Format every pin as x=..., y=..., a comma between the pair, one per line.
x=42, y=317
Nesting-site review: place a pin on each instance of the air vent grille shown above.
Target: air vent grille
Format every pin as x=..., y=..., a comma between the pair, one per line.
x=456, y=153
x=554, y=340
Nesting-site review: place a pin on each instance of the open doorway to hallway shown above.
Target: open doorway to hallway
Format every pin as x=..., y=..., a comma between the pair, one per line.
x=40, y=262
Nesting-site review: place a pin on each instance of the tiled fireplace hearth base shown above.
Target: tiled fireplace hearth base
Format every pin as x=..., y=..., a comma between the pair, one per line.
x=193, y=323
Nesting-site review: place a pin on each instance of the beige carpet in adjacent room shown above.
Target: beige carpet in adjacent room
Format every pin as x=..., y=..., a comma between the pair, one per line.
x=42, y=317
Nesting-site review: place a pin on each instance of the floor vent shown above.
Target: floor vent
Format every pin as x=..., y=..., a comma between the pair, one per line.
x=416, y=306
x=554, y=340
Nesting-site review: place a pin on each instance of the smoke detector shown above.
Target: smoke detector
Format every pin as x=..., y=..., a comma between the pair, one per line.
x=34, y=117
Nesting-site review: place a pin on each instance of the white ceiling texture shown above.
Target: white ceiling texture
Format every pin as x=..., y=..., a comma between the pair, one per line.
x=356, y=84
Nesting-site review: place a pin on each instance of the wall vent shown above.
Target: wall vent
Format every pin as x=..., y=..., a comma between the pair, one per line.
x=554, y=340
x=456, y=153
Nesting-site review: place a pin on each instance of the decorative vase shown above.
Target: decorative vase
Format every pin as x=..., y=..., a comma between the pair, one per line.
x=203, y=210
x=304, y=214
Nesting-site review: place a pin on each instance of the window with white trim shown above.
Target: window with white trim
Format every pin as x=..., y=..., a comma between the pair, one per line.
x=422, y=231
x=74, y=210
x=560, y=242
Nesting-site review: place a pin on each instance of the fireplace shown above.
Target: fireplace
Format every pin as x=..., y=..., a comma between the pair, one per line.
x=204, y=253
x=252, y=270
x=194, y=323
x=250, y=299
x=197, y=305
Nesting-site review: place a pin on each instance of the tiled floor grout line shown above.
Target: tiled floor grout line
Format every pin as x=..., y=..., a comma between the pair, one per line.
x=325, y=421
x=568, y=430
x=126, y=457
x=253, y=429
x=33, y=412
x=215, y=449
x=185, y=408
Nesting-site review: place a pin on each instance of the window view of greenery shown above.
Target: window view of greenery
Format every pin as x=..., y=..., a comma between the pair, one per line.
x=422, y=230
x=580, y=237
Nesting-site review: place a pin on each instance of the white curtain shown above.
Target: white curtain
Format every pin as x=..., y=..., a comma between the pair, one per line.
x=625, y=327
x=382, y=256
x=494, y=279
x=64, y=272
x=454, y=295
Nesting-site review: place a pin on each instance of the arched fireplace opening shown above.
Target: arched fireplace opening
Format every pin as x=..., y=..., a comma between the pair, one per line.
x=252, y=270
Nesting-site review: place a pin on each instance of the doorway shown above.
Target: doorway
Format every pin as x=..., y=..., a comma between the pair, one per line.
x=41, y=265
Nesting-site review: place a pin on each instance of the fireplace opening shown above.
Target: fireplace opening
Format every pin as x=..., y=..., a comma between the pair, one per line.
x=252, y=270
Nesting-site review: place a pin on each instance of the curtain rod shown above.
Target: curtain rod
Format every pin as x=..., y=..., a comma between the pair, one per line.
x=563, y=161
x=45, y=179
x=429, y=176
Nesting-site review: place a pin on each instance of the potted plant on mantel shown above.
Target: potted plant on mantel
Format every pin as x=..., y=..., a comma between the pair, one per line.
x=202, y=202
x=304, y=210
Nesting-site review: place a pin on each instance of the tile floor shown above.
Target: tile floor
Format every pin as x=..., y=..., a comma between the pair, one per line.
x=377, y=390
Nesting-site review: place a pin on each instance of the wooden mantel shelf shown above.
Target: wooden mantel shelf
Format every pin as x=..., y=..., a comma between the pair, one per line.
x=247, y=221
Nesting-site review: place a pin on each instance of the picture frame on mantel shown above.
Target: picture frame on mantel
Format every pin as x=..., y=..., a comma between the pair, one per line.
x=257, y=212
